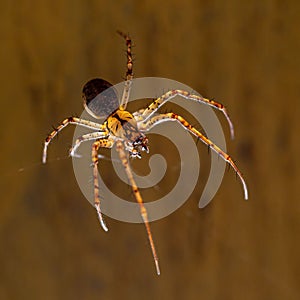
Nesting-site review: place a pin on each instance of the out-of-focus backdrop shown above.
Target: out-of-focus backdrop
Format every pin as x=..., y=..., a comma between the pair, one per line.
x=245, y=55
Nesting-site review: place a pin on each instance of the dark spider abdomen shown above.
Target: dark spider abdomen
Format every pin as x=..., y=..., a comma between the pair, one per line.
x=100, y=98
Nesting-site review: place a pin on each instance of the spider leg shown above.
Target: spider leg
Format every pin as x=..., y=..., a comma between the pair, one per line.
x=63, y=124
x=129, y=73
x=144, y=115
x=104, y=143
x=138, y=197
x=85, y=138
x=174, y=117
x=138, y=115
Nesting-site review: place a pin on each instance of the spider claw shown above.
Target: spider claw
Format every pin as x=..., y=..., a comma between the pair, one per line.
x=230, y=123
x=44, y=157
x=238, y=174
x=105, y=228
x=245, y=190
x=157, y=267
x=103, y=225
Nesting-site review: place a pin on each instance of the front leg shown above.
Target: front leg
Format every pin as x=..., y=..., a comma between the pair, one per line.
x=148, y=112
x=63, y=124
x=129, y=73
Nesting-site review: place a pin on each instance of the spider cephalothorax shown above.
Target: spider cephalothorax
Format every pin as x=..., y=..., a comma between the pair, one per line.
x=127, y=130
x=122, y=124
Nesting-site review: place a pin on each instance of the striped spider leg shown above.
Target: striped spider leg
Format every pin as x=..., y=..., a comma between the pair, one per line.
x=63, y=124
x=123, y=157
x=129, y=73
x=145, y=126
x=123, y=127
x=147, y=113
x=100, y=133
x=99, y=143
x=87, y=137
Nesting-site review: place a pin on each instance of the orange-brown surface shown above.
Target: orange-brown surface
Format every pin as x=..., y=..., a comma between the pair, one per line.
x=245, y=56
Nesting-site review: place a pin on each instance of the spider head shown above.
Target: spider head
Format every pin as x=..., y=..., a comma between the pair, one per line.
x=139, y=144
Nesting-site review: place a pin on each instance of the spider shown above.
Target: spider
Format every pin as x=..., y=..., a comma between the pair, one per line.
x=127, y=131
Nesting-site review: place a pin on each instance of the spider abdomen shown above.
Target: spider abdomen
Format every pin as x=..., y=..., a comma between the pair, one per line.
x=99, y=98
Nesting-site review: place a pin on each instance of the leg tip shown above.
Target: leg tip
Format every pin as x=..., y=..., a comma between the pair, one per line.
x=105, y=228
x=157, y=267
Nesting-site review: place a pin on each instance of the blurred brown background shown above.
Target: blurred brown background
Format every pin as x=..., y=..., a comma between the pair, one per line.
x=244, y=54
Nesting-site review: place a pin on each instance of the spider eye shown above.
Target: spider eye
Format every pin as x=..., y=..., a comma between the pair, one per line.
x=100, y=98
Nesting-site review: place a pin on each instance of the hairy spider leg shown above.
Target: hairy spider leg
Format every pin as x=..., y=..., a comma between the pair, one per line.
x=129, y=73
x=146, y=126
x=144, y=115
x=101, y=143
x=63, y=124
x=138, y=197
x=85, y=138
